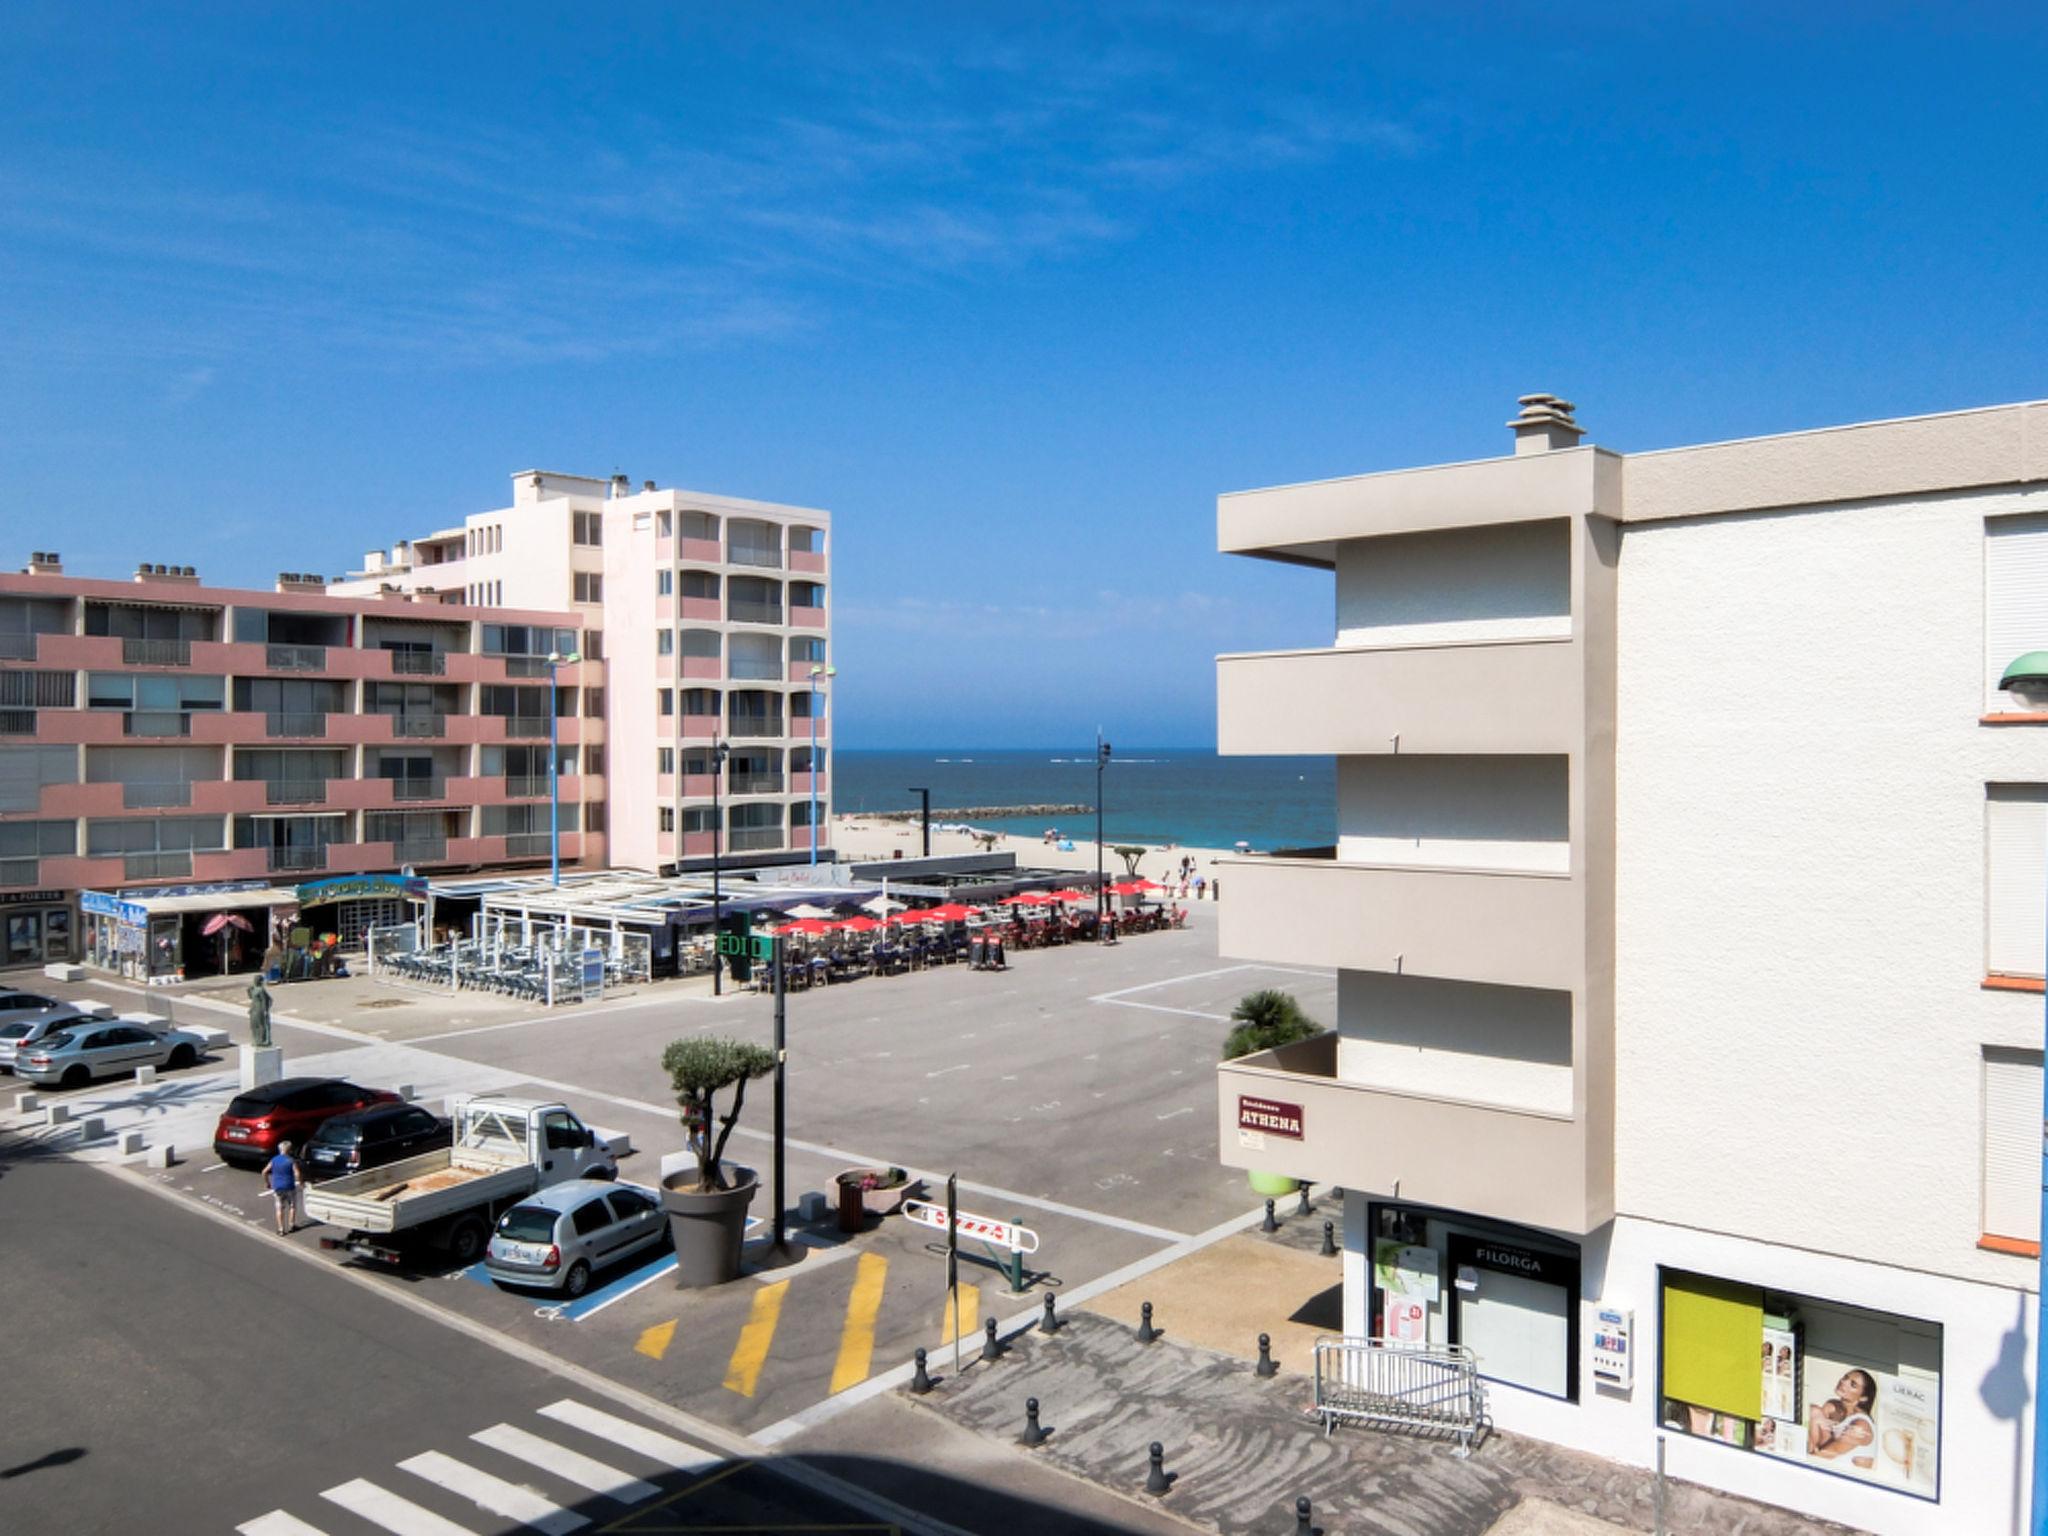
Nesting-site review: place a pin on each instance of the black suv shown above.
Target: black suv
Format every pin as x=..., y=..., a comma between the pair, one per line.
x=370, y=1138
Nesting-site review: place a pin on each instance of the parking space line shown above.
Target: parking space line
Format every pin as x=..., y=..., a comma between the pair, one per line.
x=493, y=1493
x=857, y=1334
x=743, y=1370
x=963, y=1313
x=618, y=1290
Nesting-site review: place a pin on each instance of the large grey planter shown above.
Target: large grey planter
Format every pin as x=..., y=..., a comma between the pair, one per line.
x=708, y=1226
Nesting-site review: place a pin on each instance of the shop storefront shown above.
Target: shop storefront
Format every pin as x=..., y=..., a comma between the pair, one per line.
x=175, y=931
x=1841, y=1389
x=1509, y=1294
x=349, y=906
x=35, y=927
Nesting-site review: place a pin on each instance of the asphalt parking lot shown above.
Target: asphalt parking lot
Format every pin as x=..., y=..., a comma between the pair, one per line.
x=1074, y=1093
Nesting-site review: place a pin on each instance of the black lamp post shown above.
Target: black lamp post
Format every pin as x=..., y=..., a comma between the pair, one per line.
x=924, y=798
x=1101, y=890
x=718, y=755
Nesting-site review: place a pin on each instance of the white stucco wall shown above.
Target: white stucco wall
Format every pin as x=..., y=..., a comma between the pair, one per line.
x=633, y=729
x=1463, y=812
x=1800, y=906
x=1510, y=579
x=1456, y=1039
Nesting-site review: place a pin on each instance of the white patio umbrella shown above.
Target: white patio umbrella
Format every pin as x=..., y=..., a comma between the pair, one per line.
x=881, y=906
x=806, y=909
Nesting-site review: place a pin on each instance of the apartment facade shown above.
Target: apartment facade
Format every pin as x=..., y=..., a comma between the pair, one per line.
x=713, y=618
x=162, y=736
x=1687, y=905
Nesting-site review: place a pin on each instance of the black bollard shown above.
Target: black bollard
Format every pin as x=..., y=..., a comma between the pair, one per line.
x=1329, y=1239
x=1048, y=1323
x=1269, y=1224
x=1034, y=1435
x=1146, y=1332
x=920, y=1383
x=1266, y=1366
x=990, y=1349
x=1304, y=1208
x=1302, y=1525
x=1156, y=1480
x=1337, y=1192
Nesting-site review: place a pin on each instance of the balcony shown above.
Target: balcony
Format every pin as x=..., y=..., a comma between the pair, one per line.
x=413, y=727
x=296, y=860
x=295, y=658
x=421, y=848
x=1514, y=929
x=155, y=796
x=418, y=789
x=753, y=727
x=527, y=845
x=526, y=786
x=294, y=791
x=763, y=556
x=156, y=722
x=168, y=865
x=806, y=616
x=699, y=551
x=17, y=722
x=19, y=872
x=754, y=784
x=419, y=663
x=751, y=671
x=810, y=562
x=742, y=611
x=295, y=724
x=1286, y=1111
x=17, y=647
x=1513, y=696
x=526, y=727
x=754, y=839
x=156, y=653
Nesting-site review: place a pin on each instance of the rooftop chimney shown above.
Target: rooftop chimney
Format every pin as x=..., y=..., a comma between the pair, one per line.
x=45, y=562
x=182, y=575
x=646, y=485
x=620, y=484
x=301, y=581
x=1545, y=423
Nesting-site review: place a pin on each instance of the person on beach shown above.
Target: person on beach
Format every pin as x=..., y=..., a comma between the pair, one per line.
x=1200, y=884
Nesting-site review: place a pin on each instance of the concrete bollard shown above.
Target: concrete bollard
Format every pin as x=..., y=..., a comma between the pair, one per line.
x=1329, y=1249
x=56, y=1114
x=405, y=1092
x=812, y=1206
x=144, y=1076
x=1266, y=1367
x=1303, y=1526
x=1304, y=1209
x=1048, y=1323
x=1269, y=1224
x=27, y=1103
x=92, y=1128
x=164, y=1156
x=131, y=1143
x=1146, y=1332
x=990, y=1349
x=1156, y=1480
x=920, y=1379
x=1034, y=1433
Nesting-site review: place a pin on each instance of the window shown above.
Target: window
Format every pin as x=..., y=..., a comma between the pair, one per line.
x=809, y=650
x=2016, y=866
x=593, y=762
x=38, y=690
x=664, y=583
x=593, y=645
x=563, y=1133
x=664, y=524
x=664, y=759
x=665, y=642
x=589, y=528
x=2012, y=1145
x=593, y=703
x=593, y=816
x=2015, y=599
x=664, y=701
x=667, y=822
x=589, y=587
x=38, y=839
x=698, y=818
x=629, y=1204
x=25, y=770
x=591, y=1216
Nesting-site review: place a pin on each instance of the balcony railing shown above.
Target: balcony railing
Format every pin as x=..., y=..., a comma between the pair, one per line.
x=425, y=848
x=526, y=725
x=296, y=658
x=419, y=663
x=150, y=796
x=415, y=725
x=525, y=786
x=158, y=866
x=755, y=671
x=294, y=791
x=744, y=839
x=741, y=611
x=18, y=872
x=17, y=647
x=527, y=845
x=18, y=722
x=755, y=784
x=526, y=666
x=156, y=653
x=298, y=858
x=754, y=554
x=296, y=723
x=419, y=789
x=156, y=722
x=755, y=726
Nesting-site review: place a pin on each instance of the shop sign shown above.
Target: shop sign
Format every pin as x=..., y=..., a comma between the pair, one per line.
x=27, y=898
x=1530, y=1263
x=361, y=888
x=100, y=904
x=1268, y=1117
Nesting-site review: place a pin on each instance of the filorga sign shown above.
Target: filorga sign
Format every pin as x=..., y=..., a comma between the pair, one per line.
x=1268, y=1117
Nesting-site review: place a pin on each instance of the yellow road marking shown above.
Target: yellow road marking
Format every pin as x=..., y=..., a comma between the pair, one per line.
x=963, y=1313
x=857, y=1337
x=743, y=1371
x=654, y=1341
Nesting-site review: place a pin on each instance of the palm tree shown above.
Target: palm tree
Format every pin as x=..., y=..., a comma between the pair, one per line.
x=1265, y=1019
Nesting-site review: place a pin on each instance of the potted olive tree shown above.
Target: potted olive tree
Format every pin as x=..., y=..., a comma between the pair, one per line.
x=1261, y=1021
x=707, y=1206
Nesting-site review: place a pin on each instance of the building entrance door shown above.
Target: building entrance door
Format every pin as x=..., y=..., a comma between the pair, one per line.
x=1519, y=1329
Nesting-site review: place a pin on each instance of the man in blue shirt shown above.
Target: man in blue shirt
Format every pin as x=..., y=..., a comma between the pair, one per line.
x=281, y=1173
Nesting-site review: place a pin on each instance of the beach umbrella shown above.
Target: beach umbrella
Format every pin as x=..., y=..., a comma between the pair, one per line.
x=861, y=924
x=809, y=927
x=806, y=909
x=951, y=912
x=221, y=920
x=884, y=904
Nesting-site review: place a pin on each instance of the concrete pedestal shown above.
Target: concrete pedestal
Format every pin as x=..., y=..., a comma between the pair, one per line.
x=261, y=1065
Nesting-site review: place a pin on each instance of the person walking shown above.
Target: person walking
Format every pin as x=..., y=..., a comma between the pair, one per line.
x=281, y=1173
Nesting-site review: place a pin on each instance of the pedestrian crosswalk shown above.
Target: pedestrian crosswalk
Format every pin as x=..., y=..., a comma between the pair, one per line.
x=538, y=1481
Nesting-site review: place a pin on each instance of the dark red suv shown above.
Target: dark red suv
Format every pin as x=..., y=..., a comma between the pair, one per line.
x=290, y=1109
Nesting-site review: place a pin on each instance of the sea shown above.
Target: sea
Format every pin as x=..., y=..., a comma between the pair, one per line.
x=1181, y=795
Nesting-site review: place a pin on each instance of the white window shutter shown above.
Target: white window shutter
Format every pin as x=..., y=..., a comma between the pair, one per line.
x=2015, y=598
x=2012, y=1143
x=2016, y=879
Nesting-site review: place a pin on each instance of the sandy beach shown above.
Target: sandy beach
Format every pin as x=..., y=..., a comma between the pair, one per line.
x=865, y=837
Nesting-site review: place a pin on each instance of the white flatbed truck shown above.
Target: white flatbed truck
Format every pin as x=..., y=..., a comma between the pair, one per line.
x=447, y=1200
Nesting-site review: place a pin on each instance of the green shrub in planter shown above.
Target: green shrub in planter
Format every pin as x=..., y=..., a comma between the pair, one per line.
x=699, y=1067
x=1263, y=1020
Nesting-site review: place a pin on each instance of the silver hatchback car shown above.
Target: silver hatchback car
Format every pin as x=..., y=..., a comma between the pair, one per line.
x=73, y=1056
x=25, y=1026
x=557, y=1239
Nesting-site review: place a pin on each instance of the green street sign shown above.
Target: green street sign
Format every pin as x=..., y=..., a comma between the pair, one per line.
x=753, y=946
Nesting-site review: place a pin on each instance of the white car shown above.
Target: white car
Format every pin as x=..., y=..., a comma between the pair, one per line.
x=74, y=1055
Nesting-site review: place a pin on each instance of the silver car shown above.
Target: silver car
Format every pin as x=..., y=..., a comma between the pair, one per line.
x=73, y=1056
x=26, y=1026
x=557, y=1239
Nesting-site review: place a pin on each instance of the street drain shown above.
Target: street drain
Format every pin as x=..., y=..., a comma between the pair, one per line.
x=383, y=1002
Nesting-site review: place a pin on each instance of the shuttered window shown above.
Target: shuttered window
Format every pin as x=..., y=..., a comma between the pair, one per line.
x=2016, y=879
x=2012, y=1143
x=2015, y=597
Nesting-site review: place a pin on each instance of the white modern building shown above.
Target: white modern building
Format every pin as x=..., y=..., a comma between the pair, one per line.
x=1687, y=904
x=711, y=615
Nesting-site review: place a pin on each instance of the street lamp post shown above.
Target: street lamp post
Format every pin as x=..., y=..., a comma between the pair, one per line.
x=818, y=674
x=1101, y=890
x=555, y=659
x=719, y=751
x=924, y=802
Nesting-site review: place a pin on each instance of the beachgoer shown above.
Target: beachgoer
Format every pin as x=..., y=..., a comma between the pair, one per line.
x=281, y=1174
x=1200, y=885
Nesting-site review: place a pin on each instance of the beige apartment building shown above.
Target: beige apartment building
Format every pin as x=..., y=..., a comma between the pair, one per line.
x=1686, y=899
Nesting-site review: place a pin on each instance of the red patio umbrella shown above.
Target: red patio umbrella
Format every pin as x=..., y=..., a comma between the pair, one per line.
x=861, y=924
x=1077, y=897
x=221, y=920
x=809, y=927
x=1028, y=899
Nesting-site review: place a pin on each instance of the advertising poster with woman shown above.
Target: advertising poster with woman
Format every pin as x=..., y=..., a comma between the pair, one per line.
x=1866, y=1421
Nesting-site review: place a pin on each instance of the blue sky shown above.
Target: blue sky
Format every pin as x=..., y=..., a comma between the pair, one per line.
x=1014, y=291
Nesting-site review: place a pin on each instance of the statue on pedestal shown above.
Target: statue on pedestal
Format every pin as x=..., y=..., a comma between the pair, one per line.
x=259, y=1012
